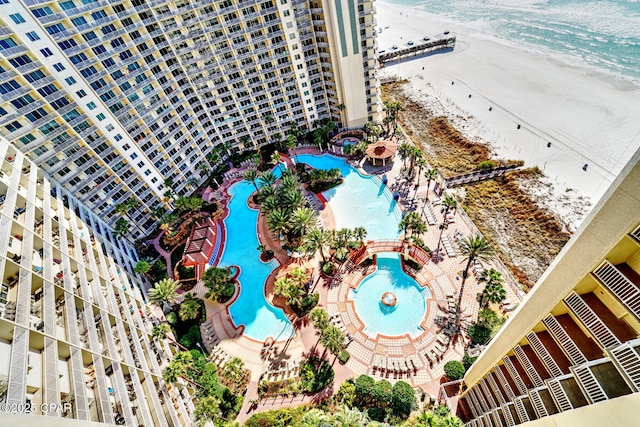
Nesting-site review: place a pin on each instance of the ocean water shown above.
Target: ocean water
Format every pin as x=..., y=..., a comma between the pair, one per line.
x=602, y=35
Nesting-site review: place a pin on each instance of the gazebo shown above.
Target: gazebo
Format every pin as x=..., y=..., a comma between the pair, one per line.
x=379, y=153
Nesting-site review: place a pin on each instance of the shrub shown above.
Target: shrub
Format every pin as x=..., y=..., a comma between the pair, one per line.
x=172, y=318
x=192, y=337
x=346, y=394
x=343, y=356
x=377, y=414
x=467, y=361
x=454, y=370
x=479, y=334
x=327, y=268
x=364, y=388
x=486, y=165
x=307, y=303
x=382, y=394
x=404, y=398
x=411, y=263
x=316, y=374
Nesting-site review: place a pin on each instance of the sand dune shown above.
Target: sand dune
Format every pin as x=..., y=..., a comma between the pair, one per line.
x=588, y=118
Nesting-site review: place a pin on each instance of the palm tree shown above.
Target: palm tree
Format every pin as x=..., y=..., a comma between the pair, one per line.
x=251, y=175
x=414, y=154
x=288, y=181
x=275, y=159
x=160, y=331
x=278, y=221
x=473, y=248
x=346, y=417
x=292, y=199
x=451, y=421
x=493, y=293
x=320, y=318
x=267, y=179
x=302, y=220
x=315, y=418
x=393, y=109
x=163, y=291
x=403, y=150
x=190, y=308
x=121, y=227
x=289, y=289
x=430, y=174
x=207, y=410
x=315, y=240
x=157, y=212
x=360, y=233
x=421, y=162
x=449, y=203
x=332, y=339
x=269, y=204
x=291, y=144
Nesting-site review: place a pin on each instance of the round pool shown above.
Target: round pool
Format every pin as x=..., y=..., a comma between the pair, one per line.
x=402, y=306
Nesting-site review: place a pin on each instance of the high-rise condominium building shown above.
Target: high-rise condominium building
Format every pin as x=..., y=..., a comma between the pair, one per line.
x=570, y=355
x=111, y=98
x=75, y=334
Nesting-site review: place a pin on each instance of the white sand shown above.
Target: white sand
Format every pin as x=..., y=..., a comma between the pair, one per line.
x=588, y=118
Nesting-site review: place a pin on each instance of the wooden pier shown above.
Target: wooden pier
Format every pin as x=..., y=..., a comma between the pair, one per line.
x=445, y=42
x=468, y=178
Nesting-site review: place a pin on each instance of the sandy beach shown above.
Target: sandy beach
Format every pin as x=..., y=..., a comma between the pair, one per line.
x=587, y=118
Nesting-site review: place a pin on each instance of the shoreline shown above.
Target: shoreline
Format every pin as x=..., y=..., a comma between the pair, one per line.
x=586, y=117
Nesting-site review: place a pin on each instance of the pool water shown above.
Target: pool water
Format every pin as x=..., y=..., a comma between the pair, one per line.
x=260, y=319
x=360, y=201
x=410, y=309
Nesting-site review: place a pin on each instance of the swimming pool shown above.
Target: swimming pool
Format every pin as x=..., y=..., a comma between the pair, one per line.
x=360, y=201
x=260, y=319
x=409, y=310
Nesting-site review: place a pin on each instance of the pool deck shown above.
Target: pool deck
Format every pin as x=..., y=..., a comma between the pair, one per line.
x=417, y=360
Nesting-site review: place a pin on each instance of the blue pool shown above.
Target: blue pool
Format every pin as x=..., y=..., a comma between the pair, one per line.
x=261, y=320
x=361, y=201
x=410, y=308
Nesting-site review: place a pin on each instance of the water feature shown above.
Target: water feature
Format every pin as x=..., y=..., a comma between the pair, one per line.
x=389, y=301
x=360, y=201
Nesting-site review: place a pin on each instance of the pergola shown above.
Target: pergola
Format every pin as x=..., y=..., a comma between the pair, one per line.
x=381, y=152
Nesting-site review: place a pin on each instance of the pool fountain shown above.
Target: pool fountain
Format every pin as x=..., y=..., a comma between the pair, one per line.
x=389, y=299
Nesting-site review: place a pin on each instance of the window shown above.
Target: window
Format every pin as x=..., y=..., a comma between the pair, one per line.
x=13, y=126
x=140, y=164
x=77, y=59
x=33, y=36
x=81, y=93
x=17, y=18
x=7, y=43
x=147, y=172
x=79, y=21
x=56, y=28
x=21, y=60
x=118, y=137
x=42, y=11
x=9, y=86
x=47, y=90
x=109, y=127
x=98, y=15
x=58, y=67
x=101, y=117
x=70, y=81
x=67, y=44
x=46, y=52
x=287, y=13
x=134, y=156
x=90, y=35
x=66, y=5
